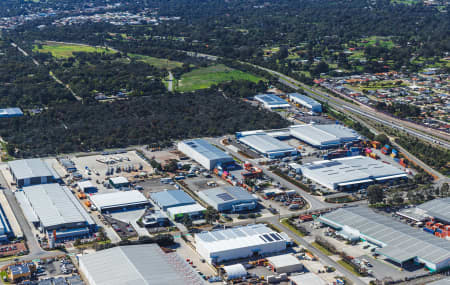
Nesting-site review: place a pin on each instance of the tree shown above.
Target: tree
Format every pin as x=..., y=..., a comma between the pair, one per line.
x=211, y=215
x=444, y=189
x=382, y=138
x=187, y=221
x=375, y=194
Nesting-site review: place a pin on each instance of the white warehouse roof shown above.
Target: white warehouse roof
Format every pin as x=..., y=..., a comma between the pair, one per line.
x=350, y=170
x=283, y=260
x=324, y=135
x=235, y=271
x=306, y=101
x=55, y=206
x=307, y=278
x=239, y=242
x=399, y=241
x=272, y=101
x=119, y=180
x=28, y=168
x=266, y=144
x=138, y=265
x=206, y=149
x=118, y=199
x=221, y=197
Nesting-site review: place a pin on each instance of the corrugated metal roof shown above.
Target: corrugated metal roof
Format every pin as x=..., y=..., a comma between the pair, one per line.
x=172, y=198
x=238, y=237
x=11, y=112
x=138, y=265
x=355, y=169
x=303, y=99
x=283, y=260
x=307, y=278
x=324, y=135
x=266, y=144
x=117, y=199
x=26, y=207
x=439, y=208
x=192, y=208
x=206, y=149
x=401, y=242
x=28, y=168
x=53, y=205
x=227, y=194
x=271, y=100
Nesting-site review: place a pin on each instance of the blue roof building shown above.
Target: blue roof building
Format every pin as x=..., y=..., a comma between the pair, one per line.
x=229, y=198
x=10, y=112
x=171, y=198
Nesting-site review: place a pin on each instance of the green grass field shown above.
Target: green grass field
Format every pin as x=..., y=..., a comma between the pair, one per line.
x=321, y=248
x=205, y=77
x=157, y=62
x=62, y=50
x=375, y=40
x=349, y=267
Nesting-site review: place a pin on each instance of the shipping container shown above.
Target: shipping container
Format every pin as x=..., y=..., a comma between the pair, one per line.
x=428, y=230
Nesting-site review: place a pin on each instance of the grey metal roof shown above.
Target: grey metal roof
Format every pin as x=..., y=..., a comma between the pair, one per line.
x=55, y=205
x=270, y=99
x=349, y=169
x=266, y=144
x=138, y=265
x=28, y=168
x=227, y=194
x=438, y=208
x=118, y=199
x=206, y=149
x=303, y=99
x=172, y=198
x=323, y=135
x=400, y=241
x=25, y=205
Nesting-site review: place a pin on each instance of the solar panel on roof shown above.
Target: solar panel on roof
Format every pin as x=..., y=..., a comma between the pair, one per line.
x=275, y=237
x=267, y=237
x=225, y=196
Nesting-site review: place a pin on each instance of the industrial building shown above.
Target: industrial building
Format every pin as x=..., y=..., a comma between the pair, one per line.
x=171, y=198
x=351, y=172
x=34, y=171
x=143, y=264
x=194, y=211
x=308, y=278
x=6, y=231
x=285, y=263
x=271, y=101
x=438, y=209
x=234, y=271
x=267, y=146
x=10, y=113
x=306, y=102
x=119, y=182
x=324, y=136
x=87, y=186
x=229, y=198
x=68, y=165
x=396, y=241
x=53, y=207
x=205, y=154
x=119, y=201
x=240, y=242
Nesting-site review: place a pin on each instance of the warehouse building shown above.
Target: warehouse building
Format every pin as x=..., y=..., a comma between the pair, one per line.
x=171, y=198
x=34, y=171
x=6, y=231
x=53, y=207
x=194, y=211
x=351, y=172
x=306, y=102
x=119, y=182
x=143, y=264
x=267, y=146
x=397, y=241
x=324, y=136
x=240, y=242
x=87, y=186
x=308, y=278
x=119, y=201
x=205, y=154
x=68, y=165
x=229, y=198
x=270, y=101
x=286, y=263
x=10, y=113
x=438, y=209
